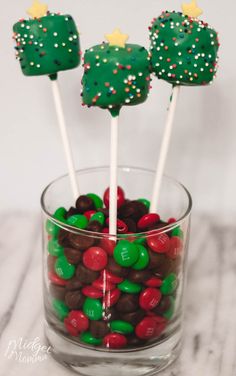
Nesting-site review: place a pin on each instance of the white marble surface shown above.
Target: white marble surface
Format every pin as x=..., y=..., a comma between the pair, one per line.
x=210, y=324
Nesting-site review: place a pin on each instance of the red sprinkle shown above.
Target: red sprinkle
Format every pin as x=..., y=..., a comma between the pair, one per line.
x=115, y=341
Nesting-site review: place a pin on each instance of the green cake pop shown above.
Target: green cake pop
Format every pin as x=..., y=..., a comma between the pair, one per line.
x=47, y=43
x=184, y=48
x=116, y=74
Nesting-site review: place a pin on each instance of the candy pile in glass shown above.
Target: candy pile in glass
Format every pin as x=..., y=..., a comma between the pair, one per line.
x=113, y=292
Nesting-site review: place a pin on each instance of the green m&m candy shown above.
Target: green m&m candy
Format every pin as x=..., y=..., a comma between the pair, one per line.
x=98, y=203
x=54, y=248
x=177, y=232
x=143, y=260
x=129, y=287
x=145, y=202
x=63, y=268
x=170, y=312
x=121, y=327
x=60, y=309
x=52, y=229
x=78, y=220
x=126, y=254
x=140, y=241
x=60, y=214
x=99, y=217
x=169, y=284
x=93, y=309
x=87, y=337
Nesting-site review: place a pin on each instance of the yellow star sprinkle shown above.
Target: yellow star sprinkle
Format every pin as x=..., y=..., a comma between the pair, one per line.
x=117, y=38
x=191, y=9
x=37, y=10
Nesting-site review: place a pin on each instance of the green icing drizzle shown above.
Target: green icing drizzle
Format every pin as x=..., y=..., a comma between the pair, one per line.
x=115, y=76
x=47, y=45
x=183, y=49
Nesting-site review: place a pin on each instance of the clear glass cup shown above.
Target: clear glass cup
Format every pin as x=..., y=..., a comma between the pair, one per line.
x=115, y=321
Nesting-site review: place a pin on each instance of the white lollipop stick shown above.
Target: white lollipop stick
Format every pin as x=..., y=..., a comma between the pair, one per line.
x=65, y=138
x=113, y=176
x=164, y=149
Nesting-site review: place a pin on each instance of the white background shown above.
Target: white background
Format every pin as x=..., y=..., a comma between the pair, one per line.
x=203, y=146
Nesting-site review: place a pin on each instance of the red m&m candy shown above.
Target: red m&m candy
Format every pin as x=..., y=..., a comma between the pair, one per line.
x=108, y=245
x=103, y=285
x=149, y=298
x=74, y=332
x=56, y=280
x=148, y=220
x=153, y=282
x=88, y=214
x=109, y=277
x=146, y=329
x=176, y=247
x=111, y=298
x=159, y=243
x=95, y=258
x=120, y=197
x=78, y=321
x=115, y=341
x=92, y=292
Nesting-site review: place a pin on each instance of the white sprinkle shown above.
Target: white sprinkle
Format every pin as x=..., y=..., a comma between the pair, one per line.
x=55, y=34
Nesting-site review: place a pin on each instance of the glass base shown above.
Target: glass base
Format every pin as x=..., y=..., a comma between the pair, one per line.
x=86, y=362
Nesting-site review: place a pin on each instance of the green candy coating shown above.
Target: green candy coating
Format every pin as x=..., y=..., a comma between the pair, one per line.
x=87, y=337
x=129, y=287
x=177, y=232
x=143, y=260
x=60, y=214
x=170, y=312
x=126, y=254
x=115, y=76
x=60, y=309
x=140, y=241
x=54, y=248
x=169, y=284
x=52, y=229
x=121, y=327
x=47, y=45
x=78, y=221
x=63, y=268
x=93, y=309
x=99, y=217
x=183, y=49
x=145, y=202
x=96, y=200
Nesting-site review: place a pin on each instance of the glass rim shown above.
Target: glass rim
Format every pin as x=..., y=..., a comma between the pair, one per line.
x=100, y=235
